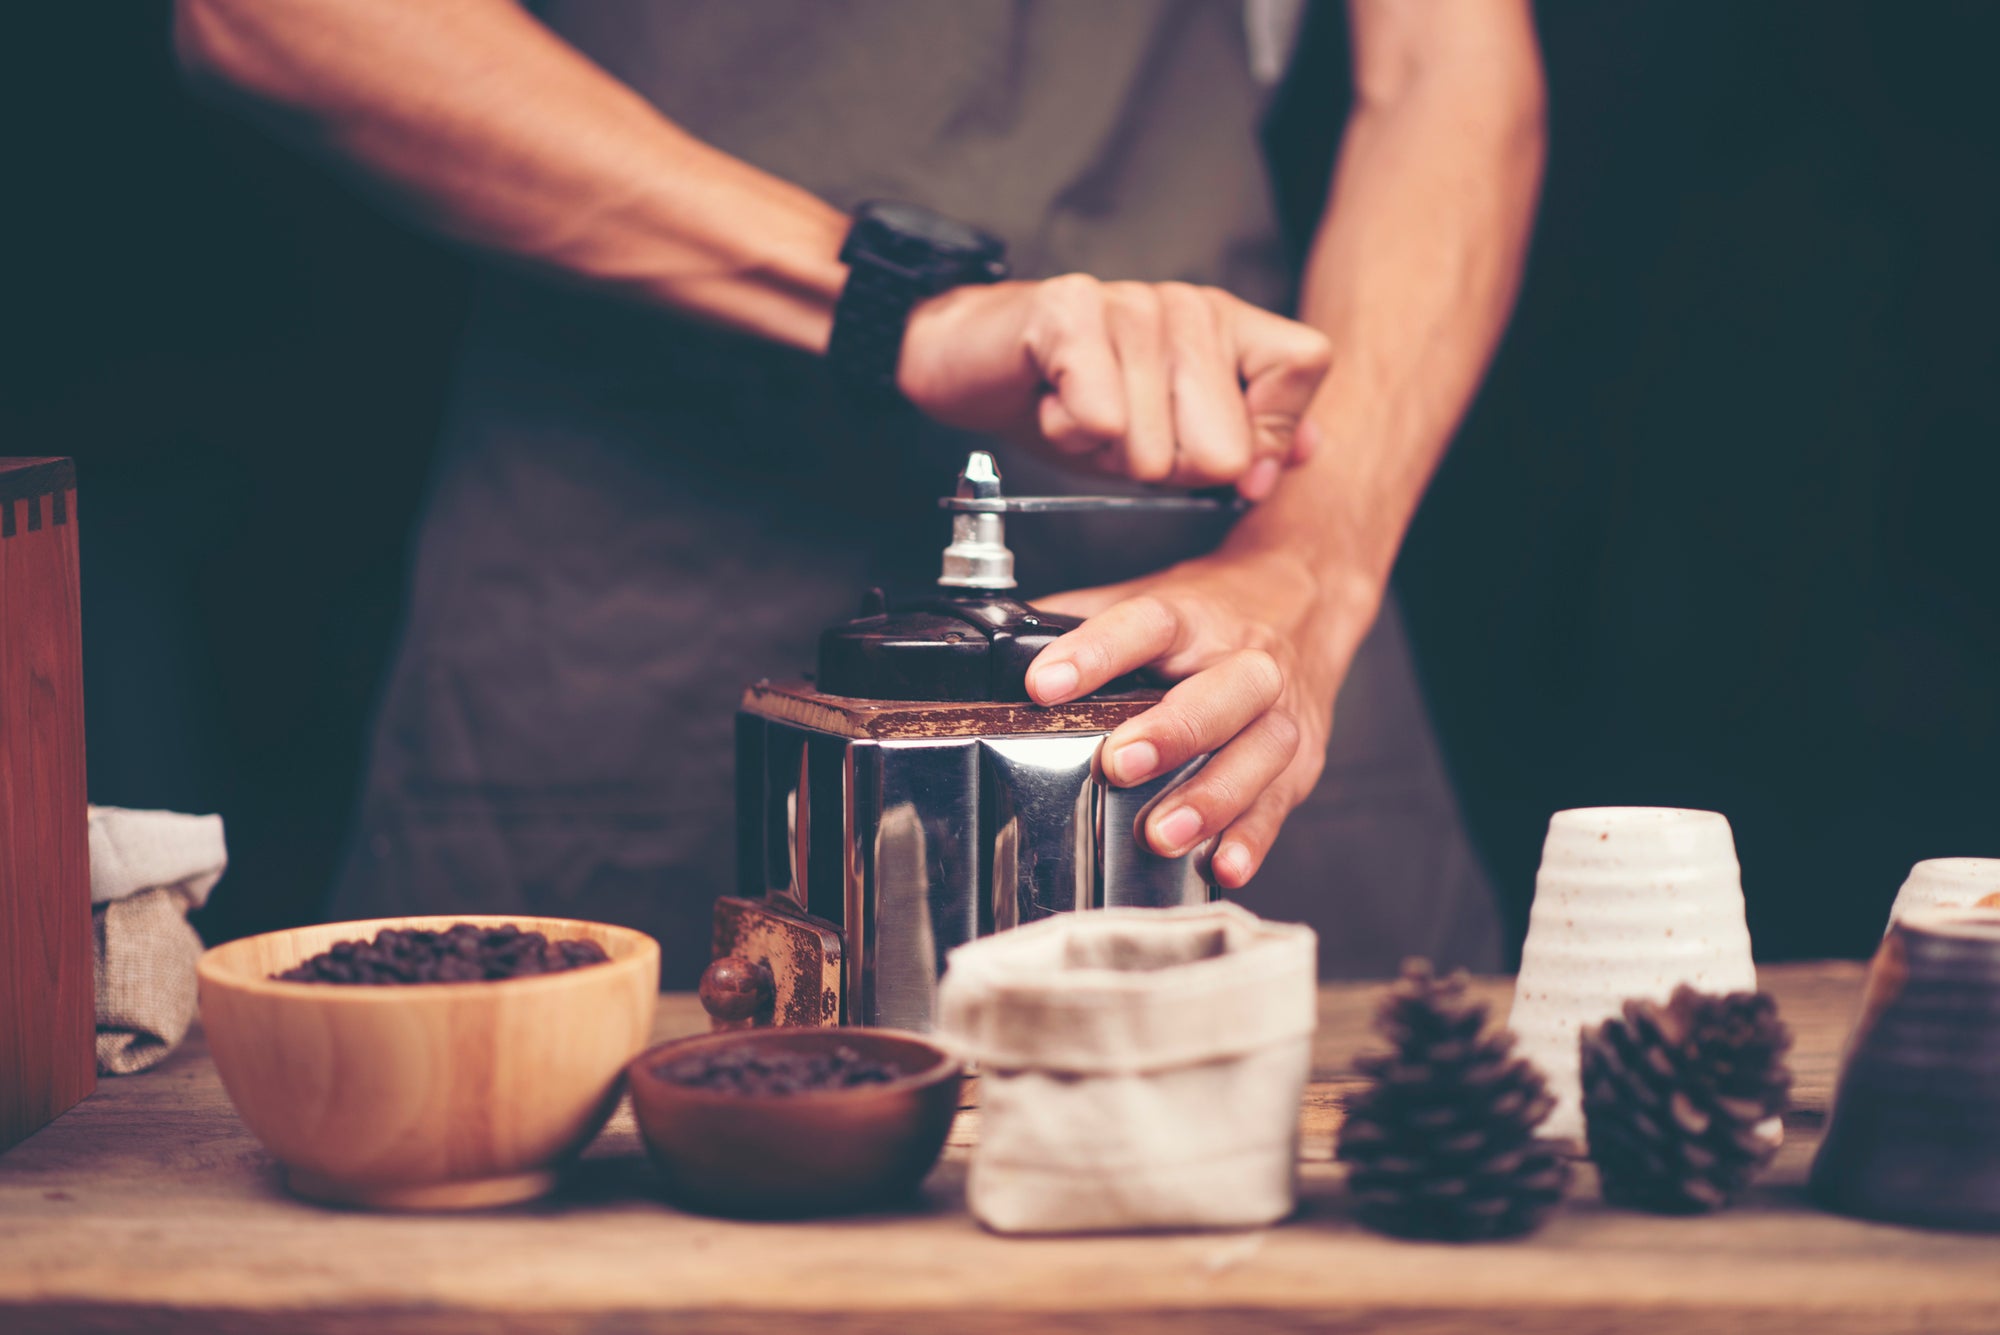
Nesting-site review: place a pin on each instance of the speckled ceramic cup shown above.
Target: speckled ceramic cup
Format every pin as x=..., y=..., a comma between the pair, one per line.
x=1915, y=1131
x=1948, y=883
x=1629, y=902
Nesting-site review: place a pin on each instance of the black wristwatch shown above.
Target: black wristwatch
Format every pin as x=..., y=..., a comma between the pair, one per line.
x=897, y=255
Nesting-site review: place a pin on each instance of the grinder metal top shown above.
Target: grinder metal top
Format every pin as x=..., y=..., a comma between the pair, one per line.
x=969, y=641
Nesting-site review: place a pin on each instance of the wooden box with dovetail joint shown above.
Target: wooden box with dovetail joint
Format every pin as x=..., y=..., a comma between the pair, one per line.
x=48, y=1015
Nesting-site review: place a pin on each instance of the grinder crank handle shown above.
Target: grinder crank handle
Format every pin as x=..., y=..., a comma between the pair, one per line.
x=978, y=557
x=1213, y=501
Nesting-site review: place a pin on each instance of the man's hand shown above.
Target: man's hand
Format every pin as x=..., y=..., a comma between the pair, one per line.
x=1258, y=652
x=1157, y=382
x=1412, y=274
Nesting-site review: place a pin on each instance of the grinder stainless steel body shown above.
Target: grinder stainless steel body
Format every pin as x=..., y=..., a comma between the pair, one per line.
x=911, y=798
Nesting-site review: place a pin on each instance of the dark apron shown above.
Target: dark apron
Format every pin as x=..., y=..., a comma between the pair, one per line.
x=634, y=516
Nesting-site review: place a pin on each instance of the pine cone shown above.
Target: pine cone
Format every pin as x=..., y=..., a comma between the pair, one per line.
x=1442, y=1143
x=1676, y=1098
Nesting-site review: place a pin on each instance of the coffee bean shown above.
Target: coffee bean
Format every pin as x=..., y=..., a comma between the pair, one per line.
x=743, y=1069
x=461, y=953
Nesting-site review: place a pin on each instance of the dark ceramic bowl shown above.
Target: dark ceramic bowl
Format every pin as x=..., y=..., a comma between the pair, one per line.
x=1915, y=1131
x=795, y=1155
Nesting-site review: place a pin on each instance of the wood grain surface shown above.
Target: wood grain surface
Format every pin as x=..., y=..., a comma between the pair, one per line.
x=47, y=998
x=150, y=1208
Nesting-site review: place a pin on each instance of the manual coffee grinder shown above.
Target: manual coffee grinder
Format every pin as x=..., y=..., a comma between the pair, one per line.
x=911, y=797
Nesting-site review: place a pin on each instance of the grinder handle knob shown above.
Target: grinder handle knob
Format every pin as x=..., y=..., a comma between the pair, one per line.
x=737, y=993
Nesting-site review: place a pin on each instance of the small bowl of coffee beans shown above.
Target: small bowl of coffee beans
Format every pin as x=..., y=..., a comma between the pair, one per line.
x=428, y=1063
x=786, y=1123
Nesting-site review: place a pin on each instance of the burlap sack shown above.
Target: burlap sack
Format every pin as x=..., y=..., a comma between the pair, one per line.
x=148, y=870
x=145, y=977
x=1139, y=1068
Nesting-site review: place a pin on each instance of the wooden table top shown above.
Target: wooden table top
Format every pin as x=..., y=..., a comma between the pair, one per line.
x=150, y=1207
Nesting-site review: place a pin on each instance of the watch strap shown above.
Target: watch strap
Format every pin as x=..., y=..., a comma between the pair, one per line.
x=898, y=255
x=866, y=344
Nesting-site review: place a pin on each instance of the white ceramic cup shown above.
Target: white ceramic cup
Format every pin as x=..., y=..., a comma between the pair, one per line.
x=1630, y=902
x=1947, y=883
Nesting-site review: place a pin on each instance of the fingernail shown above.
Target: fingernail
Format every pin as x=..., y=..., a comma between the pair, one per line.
x=1134, y=761
x=1177, y=829
x=1232, y=864
x=1257, y=483
x=1054, y=681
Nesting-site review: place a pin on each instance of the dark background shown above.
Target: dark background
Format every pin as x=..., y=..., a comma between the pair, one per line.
x=1719, y=532
x=248, y=365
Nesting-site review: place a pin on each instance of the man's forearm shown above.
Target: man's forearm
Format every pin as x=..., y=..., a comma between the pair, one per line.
x=1412, y=276
x=476, y=121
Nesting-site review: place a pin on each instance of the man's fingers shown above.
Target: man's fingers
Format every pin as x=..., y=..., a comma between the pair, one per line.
x=1243, y=848
x=1197, y=716
x=1069, y=340
x=1306, y=441
x=1069, y=436
x=1167, y=382
x=1237, y=706
x=1135, y=318
x=1120, y=639
x=1211, y=422
x=1282, y=363
x=1235, y=778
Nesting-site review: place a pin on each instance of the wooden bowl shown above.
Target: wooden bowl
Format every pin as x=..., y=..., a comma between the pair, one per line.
x=794, y=1155
x=432, y=1096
